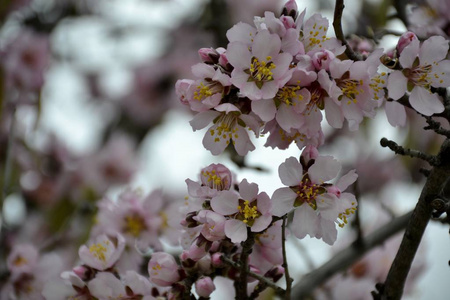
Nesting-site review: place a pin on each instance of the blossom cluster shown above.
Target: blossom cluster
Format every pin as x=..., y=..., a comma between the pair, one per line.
x=280, y=75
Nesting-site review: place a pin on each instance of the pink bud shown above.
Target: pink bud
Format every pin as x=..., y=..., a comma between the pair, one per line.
x=334, y=190
x=322, y=59
x=204, y=287
x=290, y=8
x=310, y=152
x=405, y=40
x=208, y=55
x=223, y=60
x=216, y=259
x=82, y=272
x=182, y=89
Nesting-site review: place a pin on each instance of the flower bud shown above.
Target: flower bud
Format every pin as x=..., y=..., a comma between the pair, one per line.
x=290, y=9
x=204, y=287
x=322, y=59
x=405, y=40
x=309, y=153
x=209, y=55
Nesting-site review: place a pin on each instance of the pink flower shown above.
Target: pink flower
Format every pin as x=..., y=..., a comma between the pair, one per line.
x=22, y=260
x=229, y=125
x=216, y=176
x=103, y=252
x=424, y=66
x=317, y=204
x=246, y=209
x=262, y=70
x=25, y=61
x=163, y=269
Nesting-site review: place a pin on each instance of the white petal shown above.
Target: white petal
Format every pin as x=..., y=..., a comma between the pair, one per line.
x=291, y=172
x=397, y=84
x=324, y=168
x=425, y=102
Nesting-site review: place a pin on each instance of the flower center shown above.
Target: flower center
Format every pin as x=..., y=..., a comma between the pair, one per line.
x=204, y=91
x=99, y=250
x=134, y=225
x=261, y=71
x=215, y=181
x=419, y=76
x=350, y=88
x=307, y=192
x=248, y=212
x=288, y=95
x=226, y=128
x=20, y=261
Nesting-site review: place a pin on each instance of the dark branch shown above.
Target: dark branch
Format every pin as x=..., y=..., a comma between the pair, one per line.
x=347, y=257
x=392, y=289
x=436, y=127
x=431, y=159
x=261, y=278
x=337, y=25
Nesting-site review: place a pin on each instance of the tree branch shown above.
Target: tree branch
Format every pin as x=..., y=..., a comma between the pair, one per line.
x=337, y=25
x=344, y=259
x=289, y=280
x=431, y=159
x=261, y=278
x=395, y=281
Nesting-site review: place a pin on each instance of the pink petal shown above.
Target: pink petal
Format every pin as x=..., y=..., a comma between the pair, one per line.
x=433, y=49
x=201, y=120
x=238, y=55
x=324, y=168
x=345, y=181
x=248, y=191
x=395, y=113
x=236, y=230
x=290, y=172
x=397, y=84
x=265, y=109
x=409, y=54
x=283, y=201
x=266, y=44
x=305, y=222
x=261, y=223
x=225, y=203
x=425, y=102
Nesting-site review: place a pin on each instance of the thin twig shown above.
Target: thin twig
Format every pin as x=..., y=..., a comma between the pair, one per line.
x=347, y=257
x=289, y=280
x=250, y=273
x=431, y=159
x=337, y=25
x=436, y=127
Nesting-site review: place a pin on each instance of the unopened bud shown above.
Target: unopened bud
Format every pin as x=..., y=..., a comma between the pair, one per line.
x=290, y=9
x=204, y=287
x=209, y=55
x=405, y=40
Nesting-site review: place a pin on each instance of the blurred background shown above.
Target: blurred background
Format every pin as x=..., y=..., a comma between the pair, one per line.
x=88, y=108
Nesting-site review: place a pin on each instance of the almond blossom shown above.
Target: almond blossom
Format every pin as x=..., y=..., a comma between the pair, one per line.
x=103, y=252
x=246, y=209
x=229, y=125
x=261, y=70
x=424, y=66
x=317, y=205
